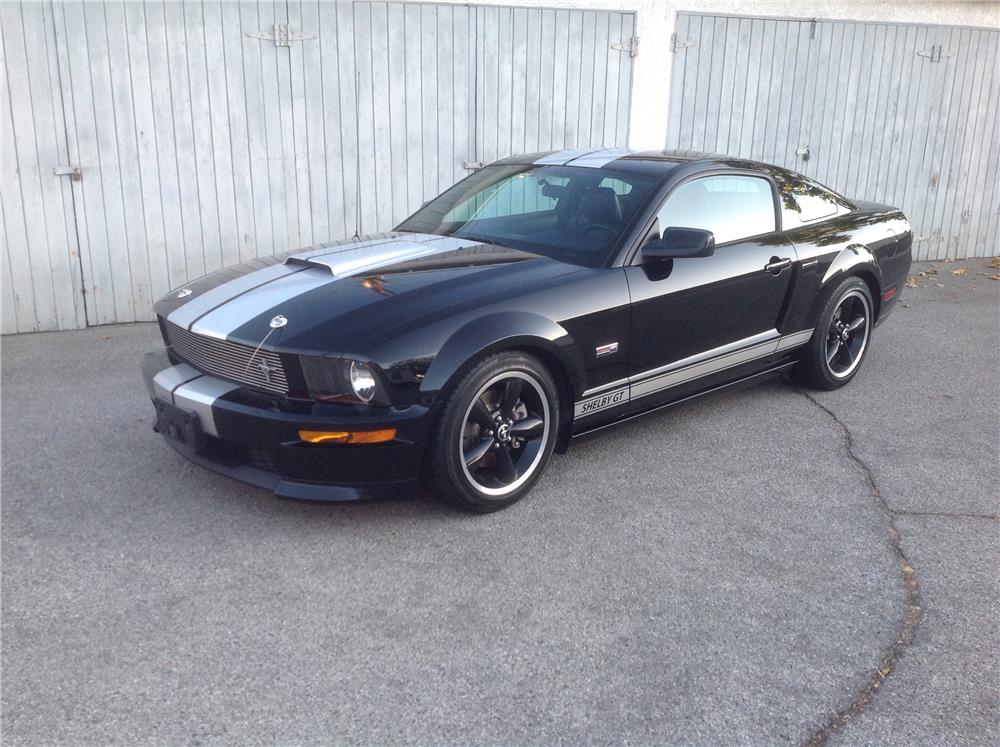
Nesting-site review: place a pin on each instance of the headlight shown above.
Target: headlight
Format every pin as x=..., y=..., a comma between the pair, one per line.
x=362, y=381
x=343, y=380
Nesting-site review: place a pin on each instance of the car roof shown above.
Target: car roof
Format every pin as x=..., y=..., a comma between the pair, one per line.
x=655, y=162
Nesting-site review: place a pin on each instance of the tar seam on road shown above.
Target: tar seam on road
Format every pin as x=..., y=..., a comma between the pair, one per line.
x=914, y=610
x=945, y=514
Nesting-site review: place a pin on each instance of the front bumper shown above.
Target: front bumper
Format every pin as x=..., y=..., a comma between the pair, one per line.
x=254, y=438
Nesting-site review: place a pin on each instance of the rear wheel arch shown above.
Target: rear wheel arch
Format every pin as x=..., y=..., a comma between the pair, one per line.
x=874, y=287
x=858, y=261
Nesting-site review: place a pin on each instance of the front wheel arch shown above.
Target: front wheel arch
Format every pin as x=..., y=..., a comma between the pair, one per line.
x=501, y=332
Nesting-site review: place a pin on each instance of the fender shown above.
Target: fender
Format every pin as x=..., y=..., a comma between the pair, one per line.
x=856, y=259
x=501, y=331
x=851, y=259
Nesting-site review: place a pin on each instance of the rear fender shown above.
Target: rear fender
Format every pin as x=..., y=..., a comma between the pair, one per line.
x=855, y=260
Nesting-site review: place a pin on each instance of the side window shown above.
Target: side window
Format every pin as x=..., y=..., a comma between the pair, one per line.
x=731, y=207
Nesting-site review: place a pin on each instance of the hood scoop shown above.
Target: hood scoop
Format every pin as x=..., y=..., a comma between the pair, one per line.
x=404, y=253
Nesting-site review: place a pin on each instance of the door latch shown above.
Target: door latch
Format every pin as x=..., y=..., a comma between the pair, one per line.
x=776, y=265
x=73, y=172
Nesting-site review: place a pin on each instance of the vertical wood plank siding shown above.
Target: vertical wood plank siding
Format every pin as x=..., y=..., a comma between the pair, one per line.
x=41, y=258
x=203, y=145
x=882, y=121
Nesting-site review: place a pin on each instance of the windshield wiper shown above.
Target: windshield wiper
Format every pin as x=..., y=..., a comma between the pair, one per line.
x=481, y=240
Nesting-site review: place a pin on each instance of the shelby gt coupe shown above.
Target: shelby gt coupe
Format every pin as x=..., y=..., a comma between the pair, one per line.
x=542, y=298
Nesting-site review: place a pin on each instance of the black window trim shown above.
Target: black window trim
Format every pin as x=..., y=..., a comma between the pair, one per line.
x=630, y=256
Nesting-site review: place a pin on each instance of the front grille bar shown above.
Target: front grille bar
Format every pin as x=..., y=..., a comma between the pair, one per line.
x=229, y=360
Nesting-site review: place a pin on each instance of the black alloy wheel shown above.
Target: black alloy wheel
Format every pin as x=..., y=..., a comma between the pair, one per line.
x=495, y=434
x=505, y=430
x=841, y=337
x=847, y=334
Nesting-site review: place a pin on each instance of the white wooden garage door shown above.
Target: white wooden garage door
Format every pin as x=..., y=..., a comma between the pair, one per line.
x=902, y=114
x=210, y=133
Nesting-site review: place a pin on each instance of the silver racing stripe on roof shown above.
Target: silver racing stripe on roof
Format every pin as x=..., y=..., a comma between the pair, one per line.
x=562, y=157
x=185, y=315
x=600, y=158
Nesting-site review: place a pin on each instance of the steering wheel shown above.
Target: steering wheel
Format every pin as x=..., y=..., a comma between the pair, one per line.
x=612, y=233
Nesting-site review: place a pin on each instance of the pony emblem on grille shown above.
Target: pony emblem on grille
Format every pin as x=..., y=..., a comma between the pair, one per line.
x=265, y=369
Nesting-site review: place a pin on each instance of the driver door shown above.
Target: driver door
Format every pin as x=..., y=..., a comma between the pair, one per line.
x=723, y=307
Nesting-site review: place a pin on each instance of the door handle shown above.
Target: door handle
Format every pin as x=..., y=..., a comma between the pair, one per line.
x=777, y=264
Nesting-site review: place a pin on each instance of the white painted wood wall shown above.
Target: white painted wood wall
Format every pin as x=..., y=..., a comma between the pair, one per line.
x=882, y=118
x=202, y=146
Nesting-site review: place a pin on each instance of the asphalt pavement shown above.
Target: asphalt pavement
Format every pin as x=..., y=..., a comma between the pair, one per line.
x=760, y=567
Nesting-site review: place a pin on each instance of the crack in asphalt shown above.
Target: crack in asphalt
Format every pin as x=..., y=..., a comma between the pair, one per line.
x=946, y=514
x=914, y=610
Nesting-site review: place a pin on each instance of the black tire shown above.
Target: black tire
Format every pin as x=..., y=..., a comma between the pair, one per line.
x=843, y=333
x=471, y=452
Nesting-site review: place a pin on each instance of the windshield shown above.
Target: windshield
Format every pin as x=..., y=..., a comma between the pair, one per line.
x=570, y=213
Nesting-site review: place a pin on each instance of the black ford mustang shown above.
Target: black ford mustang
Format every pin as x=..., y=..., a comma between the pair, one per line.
x=543, y=297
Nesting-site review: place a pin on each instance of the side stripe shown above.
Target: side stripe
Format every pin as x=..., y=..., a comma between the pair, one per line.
x=684, y=375
x=661, y=379
x=794, y=340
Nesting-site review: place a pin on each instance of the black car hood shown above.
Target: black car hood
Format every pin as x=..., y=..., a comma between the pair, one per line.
x=333, y=297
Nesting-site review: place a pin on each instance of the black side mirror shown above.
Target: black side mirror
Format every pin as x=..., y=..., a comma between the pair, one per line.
x=679, y=243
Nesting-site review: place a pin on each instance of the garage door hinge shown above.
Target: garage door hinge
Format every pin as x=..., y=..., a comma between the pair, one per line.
x=631, y=46
x=282, y=35
x=935, y=53
x=677, y=44
x=472, y=165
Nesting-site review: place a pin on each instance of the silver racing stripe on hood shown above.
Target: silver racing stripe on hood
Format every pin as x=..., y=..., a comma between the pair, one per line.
x=184, y=316
x=221, y=311
x=226, y=319
x=347, y=263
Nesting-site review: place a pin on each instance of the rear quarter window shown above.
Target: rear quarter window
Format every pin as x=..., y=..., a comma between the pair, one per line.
x=805, y=201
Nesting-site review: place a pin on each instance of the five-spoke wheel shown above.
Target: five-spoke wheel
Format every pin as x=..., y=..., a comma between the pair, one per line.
x=848, y=333
x=495, y=434
x=505, y=428
x=843, y=332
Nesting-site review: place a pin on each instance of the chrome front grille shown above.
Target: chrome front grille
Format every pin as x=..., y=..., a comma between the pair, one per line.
x=229, y=360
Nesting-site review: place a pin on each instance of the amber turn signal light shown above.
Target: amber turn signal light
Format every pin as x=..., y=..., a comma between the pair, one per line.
x=348, y=437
